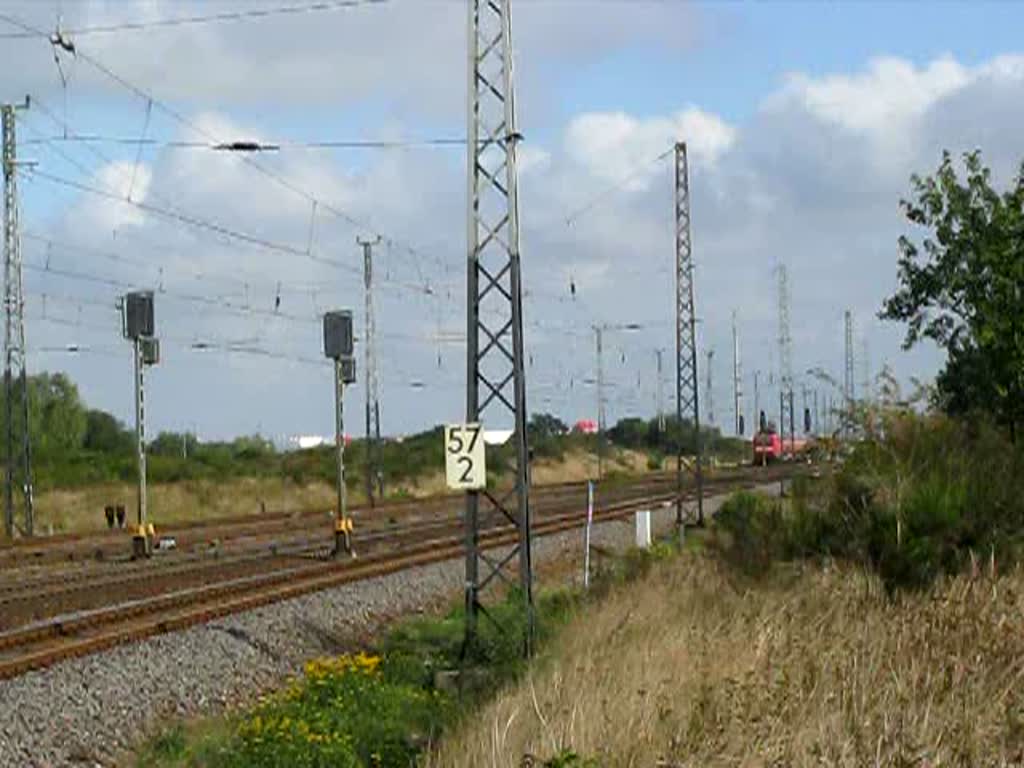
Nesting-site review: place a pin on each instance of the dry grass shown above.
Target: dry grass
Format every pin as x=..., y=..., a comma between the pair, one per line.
x=81, y=509
x=687, y=668
x=581, y=465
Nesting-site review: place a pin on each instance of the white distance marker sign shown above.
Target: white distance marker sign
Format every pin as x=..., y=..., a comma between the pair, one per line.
x=464, y=457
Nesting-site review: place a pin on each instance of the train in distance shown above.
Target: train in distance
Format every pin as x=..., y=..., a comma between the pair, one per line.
x=768, y=446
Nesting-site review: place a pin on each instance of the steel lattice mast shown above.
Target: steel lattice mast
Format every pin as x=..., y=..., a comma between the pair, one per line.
x=737, y=379
x=495, y=375
x=785, y=354
x=18, y=443
x=374, y=476
x=848, y=386
x=865, y=371
x=709, y=386
x=687, y=394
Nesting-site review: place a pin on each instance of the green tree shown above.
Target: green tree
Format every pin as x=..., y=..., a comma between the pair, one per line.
x=105, y=434
x=545, y=425
x=252, y=447
x=173, y=444
x=962, y=287
x=630, y=432
x=56, y=413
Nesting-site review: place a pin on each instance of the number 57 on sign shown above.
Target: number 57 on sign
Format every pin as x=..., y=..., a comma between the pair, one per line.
x=464, y=457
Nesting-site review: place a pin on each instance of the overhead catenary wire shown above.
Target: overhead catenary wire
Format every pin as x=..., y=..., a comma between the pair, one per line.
x=180, y=21
x=184, y=218
x=616, y=186
x=167, y=210
x=416, y=288
x=541, y=292
x=274, y=176
x=183, y=120
x=414, y=143
x=245, y=281
x=220, y=304
x=212, y=226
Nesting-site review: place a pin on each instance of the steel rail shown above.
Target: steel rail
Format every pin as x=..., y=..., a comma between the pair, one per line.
x=53, y=640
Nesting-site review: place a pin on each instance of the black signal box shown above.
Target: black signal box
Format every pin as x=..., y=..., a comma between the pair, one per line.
x=138, y=315
x=338, y=336
x=348, y=370
x=150, y=349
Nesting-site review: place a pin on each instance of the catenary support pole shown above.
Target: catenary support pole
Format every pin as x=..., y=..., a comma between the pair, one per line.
x=782, y=420
x=495, y=373
x=374, y=476
x=598, y=335
x=848, y=386
x=18, y=476
x=737, y=379
x=687, y=386
x=660, y=394
x=709, y=389
x=586, y=535
x=757, y=401
x=792, y=426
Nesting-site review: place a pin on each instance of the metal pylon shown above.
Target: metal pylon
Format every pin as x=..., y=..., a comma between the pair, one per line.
x=849, y=395
x=737, y=380
x=687, y=395
x=785, y=357
x=18, y=444
x=495, y=375
x=709, y=389
x=374, y=468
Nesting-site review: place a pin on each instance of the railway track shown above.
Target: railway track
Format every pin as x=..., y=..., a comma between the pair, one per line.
x=44, y=579
x=175, y=601
x=255, y=539
x=113, y=545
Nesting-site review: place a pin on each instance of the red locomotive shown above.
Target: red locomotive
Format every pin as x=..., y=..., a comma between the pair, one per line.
x=769, y=447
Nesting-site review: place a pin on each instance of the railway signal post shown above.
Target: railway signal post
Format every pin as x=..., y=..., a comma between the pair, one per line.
x=339, y=348
x=137, y=317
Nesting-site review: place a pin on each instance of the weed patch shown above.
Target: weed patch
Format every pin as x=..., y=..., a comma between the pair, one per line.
x=376, y=709
x=915, y=500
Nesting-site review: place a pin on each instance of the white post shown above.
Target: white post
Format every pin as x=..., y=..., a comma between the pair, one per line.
x=586, y=534
x=643, y=528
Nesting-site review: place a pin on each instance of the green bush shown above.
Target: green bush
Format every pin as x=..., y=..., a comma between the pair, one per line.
x=345, y=712
x=567, y=758
x=917, y=499
x=753, y=538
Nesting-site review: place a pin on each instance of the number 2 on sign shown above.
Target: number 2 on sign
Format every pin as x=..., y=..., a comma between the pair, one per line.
x=465, y=457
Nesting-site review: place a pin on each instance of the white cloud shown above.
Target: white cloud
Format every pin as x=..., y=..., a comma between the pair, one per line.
x=533, y=159
x=801, y=181
x=613, y=145
x=413, y=50
x=1008, y=67
x=883, y=98
x=122, y=179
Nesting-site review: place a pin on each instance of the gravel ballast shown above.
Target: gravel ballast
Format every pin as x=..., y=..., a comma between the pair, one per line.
x=89, y=711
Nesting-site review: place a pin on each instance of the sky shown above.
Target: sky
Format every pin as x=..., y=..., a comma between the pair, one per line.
x=804, y=123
